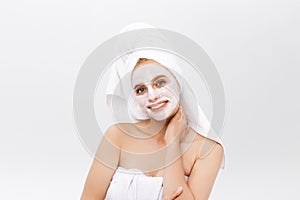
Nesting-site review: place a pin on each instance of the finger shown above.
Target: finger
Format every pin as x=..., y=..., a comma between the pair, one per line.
x=179, y=190
x=181, y=114
x=184, y=122
x=178, y=114
x=175, y=194
x=187, y=129
x=184, y=119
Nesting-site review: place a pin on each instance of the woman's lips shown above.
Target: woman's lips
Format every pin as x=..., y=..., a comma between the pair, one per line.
x=158, y=106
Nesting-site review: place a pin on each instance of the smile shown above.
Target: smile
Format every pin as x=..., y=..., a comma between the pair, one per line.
x=158, y=106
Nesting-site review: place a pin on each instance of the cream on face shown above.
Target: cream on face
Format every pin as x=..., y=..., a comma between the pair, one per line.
x=156, y=90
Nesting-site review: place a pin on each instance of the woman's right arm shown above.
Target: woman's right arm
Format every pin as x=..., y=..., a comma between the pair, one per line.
x=104, y=165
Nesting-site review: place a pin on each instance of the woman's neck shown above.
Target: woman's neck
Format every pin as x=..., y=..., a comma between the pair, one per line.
x=155, y=130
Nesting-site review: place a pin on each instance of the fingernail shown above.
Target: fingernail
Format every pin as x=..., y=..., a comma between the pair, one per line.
x=179, y=189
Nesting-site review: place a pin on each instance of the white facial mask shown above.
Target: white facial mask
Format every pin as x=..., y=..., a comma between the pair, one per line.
x=156, y=91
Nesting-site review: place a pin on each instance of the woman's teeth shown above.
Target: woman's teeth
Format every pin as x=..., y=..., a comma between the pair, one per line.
x=158, y=106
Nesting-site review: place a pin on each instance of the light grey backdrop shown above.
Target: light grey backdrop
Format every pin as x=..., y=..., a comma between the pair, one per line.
x=254, y=45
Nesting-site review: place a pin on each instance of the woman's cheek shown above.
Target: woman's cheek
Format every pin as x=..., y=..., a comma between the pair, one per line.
x=141, y=101
x=170, y=93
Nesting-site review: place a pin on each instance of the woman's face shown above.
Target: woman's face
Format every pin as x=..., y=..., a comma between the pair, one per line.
x=156, y=90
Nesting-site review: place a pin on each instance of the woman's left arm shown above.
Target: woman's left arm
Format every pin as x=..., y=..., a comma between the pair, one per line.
x=174, y=174
x=201, y=179
x=205, y=171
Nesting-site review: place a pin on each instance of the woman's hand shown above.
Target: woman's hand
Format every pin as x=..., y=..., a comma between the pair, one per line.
x=175, y=194
x=177, y=127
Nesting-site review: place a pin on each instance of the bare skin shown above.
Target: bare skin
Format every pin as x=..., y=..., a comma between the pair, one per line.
x=202, y=172
x=173, y=152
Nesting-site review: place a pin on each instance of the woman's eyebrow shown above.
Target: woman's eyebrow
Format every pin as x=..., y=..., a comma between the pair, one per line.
x=138, y=85
x=158, y=77
x=154, y=79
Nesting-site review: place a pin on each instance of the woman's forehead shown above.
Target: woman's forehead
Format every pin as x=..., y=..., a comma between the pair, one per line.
x=147, y=72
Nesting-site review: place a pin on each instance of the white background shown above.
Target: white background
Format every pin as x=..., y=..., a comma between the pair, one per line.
x=254, y=45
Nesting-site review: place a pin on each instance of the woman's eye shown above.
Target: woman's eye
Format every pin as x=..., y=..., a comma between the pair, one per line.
x=140, y=90
x=160, y=83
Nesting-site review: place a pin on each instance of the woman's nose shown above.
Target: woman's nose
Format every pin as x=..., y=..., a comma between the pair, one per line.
x=152, y=94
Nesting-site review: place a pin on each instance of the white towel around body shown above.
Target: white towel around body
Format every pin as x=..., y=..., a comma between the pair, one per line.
x=133, y=184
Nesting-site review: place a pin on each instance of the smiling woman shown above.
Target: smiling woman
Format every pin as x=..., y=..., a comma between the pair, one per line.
x=163, y=154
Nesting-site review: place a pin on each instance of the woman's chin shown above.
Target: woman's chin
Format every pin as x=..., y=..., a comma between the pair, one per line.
x=162, y=116
x=158, y=118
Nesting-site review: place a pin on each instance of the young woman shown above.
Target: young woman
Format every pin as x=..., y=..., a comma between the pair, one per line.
x=158, y=157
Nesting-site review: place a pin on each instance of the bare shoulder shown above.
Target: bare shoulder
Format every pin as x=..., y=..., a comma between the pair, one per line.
x=119, y=133
x=207, y=147
x=114, y=134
